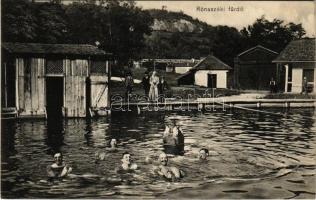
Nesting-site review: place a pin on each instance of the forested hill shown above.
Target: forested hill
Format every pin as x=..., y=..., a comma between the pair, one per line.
x=129, y=32
x=177, y=35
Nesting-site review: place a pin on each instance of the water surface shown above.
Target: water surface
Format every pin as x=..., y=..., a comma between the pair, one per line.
x=253, y=155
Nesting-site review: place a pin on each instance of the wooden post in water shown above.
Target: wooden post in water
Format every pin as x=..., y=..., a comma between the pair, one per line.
x=5, y=86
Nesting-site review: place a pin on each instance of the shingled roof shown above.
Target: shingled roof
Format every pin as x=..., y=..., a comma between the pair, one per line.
x=298, y=51
x=56, y=49
x=208, y=63
x=211, y=63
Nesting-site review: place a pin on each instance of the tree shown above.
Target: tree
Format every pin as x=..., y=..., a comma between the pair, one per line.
x=227, y=43
x=51, y=24
x=18, y=21
x=119, y=29
x=87, y=23
x=272, y=34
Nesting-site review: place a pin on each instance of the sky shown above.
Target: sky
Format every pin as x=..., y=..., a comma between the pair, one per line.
x=289, y=11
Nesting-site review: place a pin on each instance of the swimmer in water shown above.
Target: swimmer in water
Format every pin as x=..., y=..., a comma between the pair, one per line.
x=127, y=163
x=203, y=154
x=58, y=169
x=113, y=143
x=165, y=171
x=100, y=156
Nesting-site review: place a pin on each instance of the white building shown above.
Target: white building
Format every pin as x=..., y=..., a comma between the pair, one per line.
x=296, y=61
x=209, y=72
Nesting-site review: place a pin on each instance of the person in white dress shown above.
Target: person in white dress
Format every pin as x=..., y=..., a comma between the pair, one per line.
x=153, y=91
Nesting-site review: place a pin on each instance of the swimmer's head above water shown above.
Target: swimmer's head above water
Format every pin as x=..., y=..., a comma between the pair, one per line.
x=58, y=158
x=113, y=143
x=127, y=162
x=163, y=159
x=203, y=154
x=126, y=159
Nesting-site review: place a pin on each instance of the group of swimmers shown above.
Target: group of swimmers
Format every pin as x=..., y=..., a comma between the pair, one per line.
x=161, y=167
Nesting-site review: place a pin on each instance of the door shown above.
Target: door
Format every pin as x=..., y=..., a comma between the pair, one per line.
x=211, y=80
x=54, y=97
x=309, y=75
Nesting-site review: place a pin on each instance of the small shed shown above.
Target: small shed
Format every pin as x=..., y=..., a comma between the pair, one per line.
x=296, y=61
x=253, y=68
x=209, y=72
x=51, y=80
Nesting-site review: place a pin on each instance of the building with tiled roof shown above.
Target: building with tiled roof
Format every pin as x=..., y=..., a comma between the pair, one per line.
x=296, y=66
x=209, y=72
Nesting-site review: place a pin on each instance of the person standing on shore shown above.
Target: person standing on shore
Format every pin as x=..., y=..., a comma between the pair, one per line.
x=272, y=85
x=128, y=84
x=146, y=84
x=153, y=91
x=162, y=86
x=305, y=86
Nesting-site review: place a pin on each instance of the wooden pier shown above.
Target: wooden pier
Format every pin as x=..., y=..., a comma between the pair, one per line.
x=202, y=104
x=209, y=104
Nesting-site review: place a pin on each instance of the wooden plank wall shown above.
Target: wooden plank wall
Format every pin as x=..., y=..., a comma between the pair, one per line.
x=76, y=72
x=31, y=86
x=99, y=91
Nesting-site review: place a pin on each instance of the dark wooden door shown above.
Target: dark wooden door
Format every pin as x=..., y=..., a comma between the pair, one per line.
x=54, y=97
x=211, y=80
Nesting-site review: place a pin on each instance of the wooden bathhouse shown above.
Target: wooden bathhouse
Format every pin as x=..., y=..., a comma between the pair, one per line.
x=296, y=62
x=209, y=72
x=52, y=80
x=253, y=68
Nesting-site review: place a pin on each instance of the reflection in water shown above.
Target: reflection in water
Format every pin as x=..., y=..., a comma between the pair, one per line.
x=261, y=150
x=55, y=135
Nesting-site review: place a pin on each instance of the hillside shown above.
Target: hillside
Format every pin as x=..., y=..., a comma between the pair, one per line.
x=177, y=35
x=175, y=22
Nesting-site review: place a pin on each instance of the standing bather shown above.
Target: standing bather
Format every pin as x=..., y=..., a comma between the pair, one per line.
x=173, y=140
x=178, y=135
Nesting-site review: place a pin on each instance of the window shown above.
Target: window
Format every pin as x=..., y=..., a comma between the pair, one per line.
x=54, y=66
x=98, y=67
